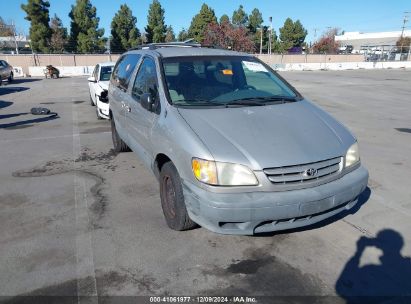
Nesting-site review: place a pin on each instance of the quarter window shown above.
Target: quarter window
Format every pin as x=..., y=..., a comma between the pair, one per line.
x=124, y=69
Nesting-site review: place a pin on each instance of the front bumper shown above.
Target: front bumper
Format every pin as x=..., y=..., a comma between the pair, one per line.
x=257, y=212
x=103, y=109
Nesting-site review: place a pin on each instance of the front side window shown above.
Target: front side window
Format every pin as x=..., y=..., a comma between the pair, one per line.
x=124, y=69
x=213, y=80
x=105, y=73
x=146, y=80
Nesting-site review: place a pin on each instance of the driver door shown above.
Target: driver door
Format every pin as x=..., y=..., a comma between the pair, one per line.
x=140, y=121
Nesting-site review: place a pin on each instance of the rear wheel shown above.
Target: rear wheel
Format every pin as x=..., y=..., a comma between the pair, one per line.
x=172, y=199
x=118, y=143
x=11, y=78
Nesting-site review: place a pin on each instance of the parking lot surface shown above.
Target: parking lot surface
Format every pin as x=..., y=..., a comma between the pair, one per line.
x=77, y=219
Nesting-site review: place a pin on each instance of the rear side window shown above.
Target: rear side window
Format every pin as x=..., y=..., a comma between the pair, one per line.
x=124, y=69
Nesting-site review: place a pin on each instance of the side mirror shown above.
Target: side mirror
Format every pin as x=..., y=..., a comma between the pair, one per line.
x=147, y=101
x=91, y=79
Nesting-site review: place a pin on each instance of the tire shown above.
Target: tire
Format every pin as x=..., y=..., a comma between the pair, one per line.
x=118, y=143
x=172, y=199
x=98, y=115
x=11, y=78
x=91, y=101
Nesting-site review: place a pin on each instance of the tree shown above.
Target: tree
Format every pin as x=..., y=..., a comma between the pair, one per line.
x=58, y=38
x=327, y=43
x=228, y=36
x=170, y=36
x=200, y=23
x=156, y=29
x=5, y=29
x=240, y=17
x=85, y=36
x=224, y=18
x=183, y=35
x=292, y=34
x=124, y=33
x=40, y=33
x=403, y=44
x=255, y=20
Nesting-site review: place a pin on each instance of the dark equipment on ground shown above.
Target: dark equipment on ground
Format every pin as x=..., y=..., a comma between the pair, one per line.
x=51, y=71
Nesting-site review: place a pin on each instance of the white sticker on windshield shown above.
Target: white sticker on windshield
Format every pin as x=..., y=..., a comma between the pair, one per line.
x=254, y=66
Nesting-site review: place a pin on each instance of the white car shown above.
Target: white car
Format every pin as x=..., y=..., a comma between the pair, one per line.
x=98, y=85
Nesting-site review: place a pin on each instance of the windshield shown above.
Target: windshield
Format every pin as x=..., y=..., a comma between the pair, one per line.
x=228, y=80
x=105, y=73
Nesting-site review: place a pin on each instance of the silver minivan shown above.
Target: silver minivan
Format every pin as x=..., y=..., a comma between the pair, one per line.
x=236, y=149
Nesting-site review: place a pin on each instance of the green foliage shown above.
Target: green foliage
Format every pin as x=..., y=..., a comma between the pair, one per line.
x=124, y=33
x=240, y=17
x=292, y=34
x=183, y=35
x=170, y=36
x=200, y=22
x=40, y=33
x=156, y=29
x=58, y=39
x=85, y=36
x=224, y=19
x=255, y=20
x=275, y=44
x=5, y=29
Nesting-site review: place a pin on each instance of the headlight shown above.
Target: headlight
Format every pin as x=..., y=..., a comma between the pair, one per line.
x=353, y=155
x=222, y=174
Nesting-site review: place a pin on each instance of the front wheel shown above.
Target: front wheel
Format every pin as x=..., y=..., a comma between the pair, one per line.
x=172, y=199
x=11, y=78
x=98, y=114
x=118, y=143
x=91, y=101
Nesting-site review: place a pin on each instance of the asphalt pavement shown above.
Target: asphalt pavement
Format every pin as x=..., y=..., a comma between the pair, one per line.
x=77, y=219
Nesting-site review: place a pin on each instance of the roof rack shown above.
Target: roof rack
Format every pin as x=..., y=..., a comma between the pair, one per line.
x=153, y=46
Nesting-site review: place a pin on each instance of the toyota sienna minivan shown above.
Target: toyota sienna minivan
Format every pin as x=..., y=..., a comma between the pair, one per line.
x=236, y=149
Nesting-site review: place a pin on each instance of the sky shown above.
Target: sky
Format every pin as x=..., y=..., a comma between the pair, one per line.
x=315, y=15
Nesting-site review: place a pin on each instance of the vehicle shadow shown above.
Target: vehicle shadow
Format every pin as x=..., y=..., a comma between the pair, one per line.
x=11, y=89
x=5, y=104
x=28, y=122
x=362, y=199
x=388, y=282
x=24, y=80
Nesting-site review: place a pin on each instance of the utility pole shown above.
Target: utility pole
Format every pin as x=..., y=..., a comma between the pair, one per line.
x=14, y=35
x=405, y=21
x=261, y=39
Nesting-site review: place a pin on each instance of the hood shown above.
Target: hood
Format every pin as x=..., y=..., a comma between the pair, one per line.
x=103, y=84
x=269, y=136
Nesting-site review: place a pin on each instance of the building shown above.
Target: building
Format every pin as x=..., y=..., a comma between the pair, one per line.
x=364, y=42
x=8, y=44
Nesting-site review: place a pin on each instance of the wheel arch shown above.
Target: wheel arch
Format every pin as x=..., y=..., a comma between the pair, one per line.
x=159, y=162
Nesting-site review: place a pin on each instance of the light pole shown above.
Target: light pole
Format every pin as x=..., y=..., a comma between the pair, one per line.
x=261, y=40
x=271, y=33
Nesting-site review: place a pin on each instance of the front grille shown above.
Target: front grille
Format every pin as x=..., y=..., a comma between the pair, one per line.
x=301, y=173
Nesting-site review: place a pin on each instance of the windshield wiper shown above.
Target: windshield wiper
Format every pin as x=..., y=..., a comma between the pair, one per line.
x=196, y=102
x=261, y=101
